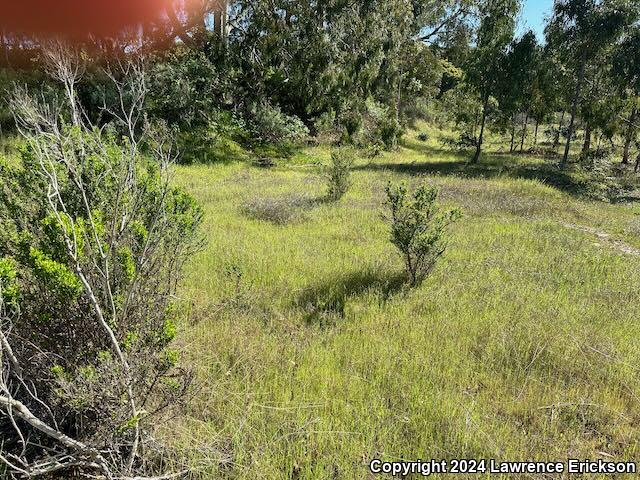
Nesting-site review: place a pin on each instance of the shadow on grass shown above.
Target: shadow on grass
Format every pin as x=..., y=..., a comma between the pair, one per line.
x=428, y=149
x=325, y=303
x=498, y=165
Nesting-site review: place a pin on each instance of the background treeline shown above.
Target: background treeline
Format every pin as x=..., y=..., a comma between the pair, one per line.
x=268, y=73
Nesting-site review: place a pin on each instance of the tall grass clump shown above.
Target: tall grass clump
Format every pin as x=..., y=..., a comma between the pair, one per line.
x=418, y=227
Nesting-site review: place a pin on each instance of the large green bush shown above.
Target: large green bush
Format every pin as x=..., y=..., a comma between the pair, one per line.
x=270, y=125
x=93, y=240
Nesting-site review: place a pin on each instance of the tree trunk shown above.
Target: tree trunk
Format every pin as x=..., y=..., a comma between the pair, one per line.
x=220, y=20
x=574, y=110
x=394, y=142
x=637, y=163
x=587, y=139
x=556, y=140
x=476, y=157
x=475, y=124
x=524, y=131
x=535, y=134
x=513, y=133
x=629, y=137
x=599, y=143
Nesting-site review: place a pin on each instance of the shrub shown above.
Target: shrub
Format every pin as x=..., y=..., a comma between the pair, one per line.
x=381, y=125
x=388, y=131
x=97, y=236
x=338, y=174
x=185, y=86
x=270, y=125
x=418, y=228
x=464, y=142
x=374, y=150
x=423, y=136
x=213, y=140
x=325, y=124
x=351, y=120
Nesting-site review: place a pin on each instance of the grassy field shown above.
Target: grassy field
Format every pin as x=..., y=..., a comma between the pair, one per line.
x=313, y=357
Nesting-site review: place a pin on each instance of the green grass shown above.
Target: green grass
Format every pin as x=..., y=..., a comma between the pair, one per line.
x=312, y=356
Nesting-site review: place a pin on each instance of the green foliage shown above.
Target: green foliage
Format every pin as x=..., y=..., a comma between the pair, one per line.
x=57, y=276
x=92, y=270
x=325, y=124
x=127, y=263
x=351, y=120
x=186, y=86
x=9, y=286
x=418, y=227
x=461, y=107
x=626, y=62
x=56, y=228
x=169, y=331
x=495, y=32
x=462, y=142
x=518, y=75
x=342, y=52
x=338, y=174
x=484, y=67
x=270, y=125
x=382, y=125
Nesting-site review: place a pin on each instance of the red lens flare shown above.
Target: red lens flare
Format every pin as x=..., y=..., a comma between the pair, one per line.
x=78, y=18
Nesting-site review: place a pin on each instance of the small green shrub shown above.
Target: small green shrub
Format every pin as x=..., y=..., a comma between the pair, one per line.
x=380, y=125
x=9, y=287
x=338, y=174
x=374, y=150
x=388, y=131
x=418, y=228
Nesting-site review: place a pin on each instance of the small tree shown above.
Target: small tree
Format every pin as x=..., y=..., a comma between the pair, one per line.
x=338, y=174
x=418, y=228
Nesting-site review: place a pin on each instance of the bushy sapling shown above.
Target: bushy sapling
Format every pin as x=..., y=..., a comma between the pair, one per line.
x=418, y=227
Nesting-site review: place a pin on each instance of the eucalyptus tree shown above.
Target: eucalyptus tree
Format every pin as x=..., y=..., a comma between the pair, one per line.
x=579, y=31
x=547, y=91
x=486, y=62
x=626, y=75
x=435, y=21
x=313, y=56
x=515, y=82
x=600, y=102
x=523, y=65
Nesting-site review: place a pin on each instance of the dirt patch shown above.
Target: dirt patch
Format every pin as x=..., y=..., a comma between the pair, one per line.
x=605, y=238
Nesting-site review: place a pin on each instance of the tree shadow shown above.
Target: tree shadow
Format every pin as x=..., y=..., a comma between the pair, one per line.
x=325, y=302
x=494, y=165
x=433, y=150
